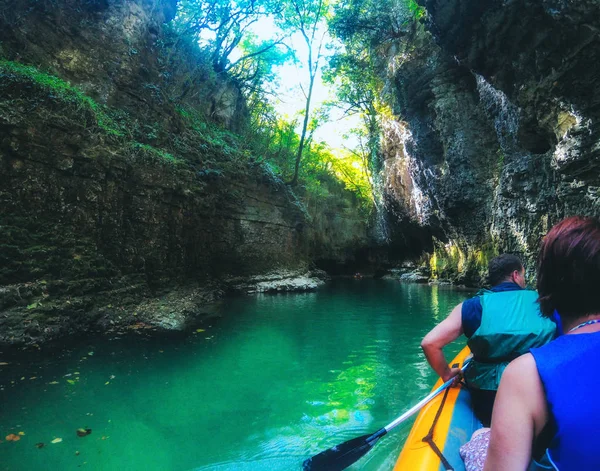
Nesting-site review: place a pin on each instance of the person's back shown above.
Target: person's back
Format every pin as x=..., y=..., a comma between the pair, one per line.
x=501, y=324
x=568, y=369
x=547, y=398
x=510, y=325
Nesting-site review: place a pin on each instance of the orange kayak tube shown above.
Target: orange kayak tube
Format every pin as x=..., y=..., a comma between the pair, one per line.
x=454, y=427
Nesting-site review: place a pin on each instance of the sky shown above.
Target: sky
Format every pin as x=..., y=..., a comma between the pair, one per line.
x=290, y=98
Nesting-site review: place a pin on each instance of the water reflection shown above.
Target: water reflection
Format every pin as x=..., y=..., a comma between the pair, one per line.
x=275, y=380
x=435, y=303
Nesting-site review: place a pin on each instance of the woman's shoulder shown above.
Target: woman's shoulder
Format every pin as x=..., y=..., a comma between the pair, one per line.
x=521, y=377
x=521, y=367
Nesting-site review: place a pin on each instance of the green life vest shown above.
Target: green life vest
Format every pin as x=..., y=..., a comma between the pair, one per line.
x=511, y=324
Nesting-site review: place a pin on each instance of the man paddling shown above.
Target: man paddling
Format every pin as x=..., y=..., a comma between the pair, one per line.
x=501, y=324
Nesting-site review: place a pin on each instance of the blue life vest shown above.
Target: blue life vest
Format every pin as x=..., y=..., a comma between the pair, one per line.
x=511, y=324
x=569, y=368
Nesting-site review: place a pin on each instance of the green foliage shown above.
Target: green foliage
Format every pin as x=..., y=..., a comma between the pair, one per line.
x=323, y=170
x=374, y=23
x=63, y=90
x=113, y=123
x=468, y=264
x=213, y=136
x=416, y=10
x=255, y=70
x=154, y=153
x=221, y=25
x=368, y=29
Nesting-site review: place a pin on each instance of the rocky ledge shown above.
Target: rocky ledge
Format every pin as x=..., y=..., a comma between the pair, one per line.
x=281, y=281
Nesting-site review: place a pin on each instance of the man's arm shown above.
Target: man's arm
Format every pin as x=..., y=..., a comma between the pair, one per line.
x=519, y=415
x=441, y=335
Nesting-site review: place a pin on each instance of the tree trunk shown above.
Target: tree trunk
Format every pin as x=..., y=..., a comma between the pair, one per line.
x=304, y=129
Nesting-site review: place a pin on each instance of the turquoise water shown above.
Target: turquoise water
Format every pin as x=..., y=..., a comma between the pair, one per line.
x=272, y=381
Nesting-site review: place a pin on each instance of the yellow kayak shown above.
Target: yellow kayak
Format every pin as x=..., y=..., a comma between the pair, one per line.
x=454, y=426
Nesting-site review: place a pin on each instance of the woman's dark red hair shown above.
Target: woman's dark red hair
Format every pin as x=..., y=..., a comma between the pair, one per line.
x=568, y=270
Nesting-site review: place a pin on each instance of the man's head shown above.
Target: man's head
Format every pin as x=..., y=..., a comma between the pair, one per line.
x=506, y=267
x=568, y=270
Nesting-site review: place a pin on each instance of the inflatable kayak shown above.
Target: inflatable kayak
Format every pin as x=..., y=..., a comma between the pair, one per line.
x=446, y=423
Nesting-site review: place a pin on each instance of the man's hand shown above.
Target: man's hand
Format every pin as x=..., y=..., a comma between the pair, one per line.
x=452, y=373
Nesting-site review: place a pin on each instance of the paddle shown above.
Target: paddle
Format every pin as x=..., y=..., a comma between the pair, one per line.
x=343, y=455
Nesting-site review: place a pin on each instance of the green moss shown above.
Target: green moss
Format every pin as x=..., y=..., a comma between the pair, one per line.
x=468, y=265
x=63, y=90
x=447, y=261
x=156, y=153
x=213, y=135
x=111, y=122
x=416, y=10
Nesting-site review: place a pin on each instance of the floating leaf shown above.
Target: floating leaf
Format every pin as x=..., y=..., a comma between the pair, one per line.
x=90, y=353
x=12, y=438
x=108, y=382
x=82, y=432
x=56, y=440
x=39, y=445
x=71, y=381
x=200, y=330
x=22, y=433
x=53, y=382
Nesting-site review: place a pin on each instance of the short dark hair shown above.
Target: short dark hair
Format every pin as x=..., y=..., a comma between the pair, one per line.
x=568, y=270
x=500, y=268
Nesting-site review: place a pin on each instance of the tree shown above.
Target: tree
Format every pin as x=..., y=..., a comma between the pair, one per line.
x=306, y=17
x=374, y=23
x=358, y=92
x=366, y=28
x=255, y=70
x=221, y=25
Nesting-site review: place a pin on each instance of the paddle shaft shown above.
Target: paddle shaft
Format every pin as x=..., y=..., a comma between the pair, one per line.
x=343, y=455
x=414, y=409
x=410, y=412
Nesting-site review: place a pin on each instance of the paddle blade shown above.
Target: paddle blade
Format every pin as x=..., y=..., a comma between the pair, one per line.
x=341, y=456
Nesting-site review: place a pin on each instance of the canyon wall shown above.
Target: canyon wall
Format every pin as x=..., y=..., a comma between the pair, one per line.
x=496, y=131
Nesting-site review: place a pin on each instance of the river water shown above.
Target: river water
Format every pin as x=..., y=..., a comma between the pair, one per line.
x=272, y=381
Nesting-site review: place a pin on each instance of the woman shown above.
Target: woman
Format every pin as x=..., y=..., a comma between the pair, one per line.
x=550, y=396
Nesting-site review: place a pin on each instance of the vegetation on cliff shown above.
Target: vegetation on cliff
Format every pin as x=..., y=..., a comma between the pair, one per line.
x=226, y=32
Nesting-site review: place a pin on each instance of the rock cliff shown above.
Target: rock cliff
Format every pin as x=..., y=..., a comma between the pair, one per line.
x=496, y=133
x=119, y=207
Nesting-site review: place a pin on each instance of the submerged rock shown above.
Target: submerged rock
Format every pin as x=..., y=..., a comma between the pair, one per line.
x=83, y=432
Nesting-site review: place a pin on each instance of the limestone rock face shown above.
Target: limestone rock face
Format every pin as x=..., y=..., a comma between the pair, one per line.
x=497, y=129
x=120, y=54
x=129, y=217
x=88, y=222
